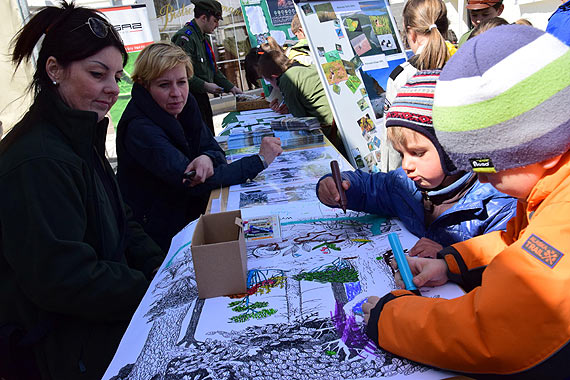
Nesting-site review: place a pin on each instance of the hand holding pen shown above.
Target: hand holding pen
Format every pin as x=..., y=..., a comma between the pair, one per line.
x=328, y=191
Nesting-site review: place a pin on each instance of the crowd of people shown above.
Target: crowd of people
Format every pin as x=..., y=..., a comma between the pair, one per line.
x=481, y=136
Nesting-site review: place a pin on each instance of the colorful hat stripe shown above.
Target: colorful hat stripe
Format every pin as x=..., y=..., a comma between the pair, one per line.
x=494, y=112
x=502, y=76
x=520, y=98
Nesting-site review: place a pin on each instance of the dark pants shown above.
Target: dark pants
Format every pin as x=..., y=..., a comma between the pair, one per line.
x=205, y=109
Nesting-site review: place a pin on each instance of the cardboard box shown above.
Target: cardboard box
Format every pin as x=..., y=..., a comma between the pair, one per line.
x=219, y=255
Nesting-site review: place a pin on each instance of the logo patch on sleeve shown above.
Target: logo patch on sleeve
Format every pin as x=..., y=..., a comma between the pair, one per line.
x=542, y=250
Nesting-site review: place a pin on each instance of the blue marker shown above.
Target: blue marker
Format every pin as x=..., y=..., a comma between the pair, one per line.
x=401, y=261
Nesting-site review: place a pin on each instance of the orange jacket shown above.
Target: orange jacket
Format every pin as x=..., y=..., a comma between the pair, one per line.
x=517, y=315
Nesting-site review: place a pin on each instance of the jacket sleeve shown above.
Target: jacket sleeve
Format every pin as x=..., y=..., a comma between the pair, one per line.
x=221, y=80
x=152, y=149
x=374, y=193
x=236, y=172
x=55, y=267
x=142, y=252
x=513, y=321
x=208, y=144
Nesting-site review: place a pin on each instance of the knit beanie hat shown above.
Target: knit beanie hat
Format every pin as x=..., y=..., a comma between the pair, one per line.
x=502, y=101
x=412, y=108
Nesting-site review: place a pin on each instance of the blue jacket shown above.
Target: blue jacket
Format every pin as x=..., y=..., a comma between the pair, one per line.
x=153, y=151
x=482, y=209
x=559, y=23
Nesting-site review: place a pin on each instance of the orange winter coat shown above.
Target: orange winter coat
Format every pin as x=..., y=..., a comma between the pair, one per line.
x=516, y=318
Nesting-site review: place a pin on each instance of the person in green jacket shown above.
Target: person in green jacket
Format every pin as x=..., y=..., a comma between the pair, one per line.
x=73, y=264
x=300, y=85
x=193, y=40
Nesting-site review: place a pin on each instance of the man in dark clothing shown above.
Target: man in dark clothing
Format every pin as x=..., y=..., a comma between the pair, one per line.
x=192, y=38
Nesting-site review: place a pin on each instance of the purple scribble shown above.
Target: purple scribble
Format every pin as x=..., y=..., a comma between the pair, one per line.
x=352, y=333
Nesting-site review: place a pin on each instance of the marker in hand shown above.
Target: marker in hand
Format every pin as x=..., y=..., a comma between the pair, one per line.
x=403, y=265
x=338, y=182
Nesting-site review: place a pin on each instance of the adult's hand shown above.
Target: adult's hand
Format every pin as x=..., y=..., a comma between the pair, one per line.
x=328, y=193
x=368, y=306
x=279, y=107
x=426, y=248
x=426, y=272
x=235, y=90
x=270, y=148
x=204, y=168
x=212, y=88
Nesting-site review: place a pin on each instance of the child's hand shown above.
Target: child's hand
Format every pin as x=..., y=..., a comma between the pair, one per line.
x=328, y=193
x=425, y=248
x=368, y=306
x=427, y=272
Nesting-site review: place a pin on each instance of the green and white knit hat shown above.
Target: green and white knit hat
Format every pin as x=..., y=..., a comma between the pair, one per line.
x=503, y=100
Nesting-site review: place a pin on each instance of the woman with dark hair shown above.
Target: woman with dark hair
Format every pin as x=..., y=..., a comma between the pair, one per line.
x=73, y=264
x=161, y=136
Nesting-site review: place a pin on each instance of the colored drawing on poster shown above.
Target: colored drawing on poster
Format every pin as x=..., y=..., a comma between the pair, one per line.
x=321, y=51
x=339, y=32
x=336, y=88
x=335, y=72
x=366, y=124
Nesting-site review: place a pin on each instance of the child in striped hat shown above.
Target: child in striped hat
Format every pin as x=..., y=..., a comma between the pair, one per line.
x=434, y=201
x=503, y=113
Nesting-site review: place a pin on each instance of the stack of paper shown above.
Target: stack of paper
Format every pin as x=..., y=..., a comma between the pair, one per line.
x=298, y=138
x=295, y=123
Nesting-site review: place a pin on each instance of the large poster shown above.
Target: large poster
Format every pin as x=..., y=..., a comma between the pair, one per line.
x=132, y=24
x=356, y=46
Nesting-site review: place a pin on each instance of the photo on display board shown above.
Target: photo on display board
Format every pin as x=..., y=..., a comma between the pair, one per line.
x=365, y=27
x=357, y=157
x=321, y=51
x=281, y=11
x=335, y=72
x=325, y=12
x=307, y=9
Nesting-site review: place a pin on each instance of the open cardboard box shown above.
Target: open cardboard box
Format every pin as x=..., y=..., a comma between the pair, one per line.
x=219, y=255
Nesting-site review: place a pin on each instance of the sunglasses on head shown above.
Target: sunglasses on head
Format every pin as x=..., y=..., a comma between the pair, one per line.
x=99, y=28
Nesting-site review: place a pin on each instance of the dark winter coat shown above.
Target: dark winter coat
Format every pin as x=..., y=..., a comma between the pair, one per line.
x=73, y=264
x=153, y=150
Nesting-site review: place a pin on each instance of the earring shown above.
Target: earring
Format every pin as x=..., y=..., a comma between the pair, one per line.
x=54, y=83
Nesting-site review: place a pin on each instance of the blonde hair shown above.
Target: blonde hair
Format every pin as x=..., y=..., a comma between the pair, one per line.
x=295, y=24
x=523, y=21
x=420, y=16
x=399, y=137
x=156, y=59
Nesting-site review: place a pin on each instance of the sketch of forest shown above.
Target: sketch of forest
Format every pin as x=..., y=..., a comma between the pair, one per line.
x=300, y=319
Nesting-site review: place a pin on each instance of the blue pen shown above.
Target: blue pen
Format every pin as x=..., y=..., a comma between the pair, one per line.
x=401, y=261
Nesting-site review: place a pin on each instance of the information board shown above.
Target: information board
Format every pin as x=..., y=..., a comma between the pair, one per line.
x=355, y=46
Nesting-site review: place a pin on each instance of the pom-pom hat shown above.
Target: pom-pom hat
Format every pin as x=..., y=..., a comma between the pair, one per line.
x=502, y=101
x=412, y=109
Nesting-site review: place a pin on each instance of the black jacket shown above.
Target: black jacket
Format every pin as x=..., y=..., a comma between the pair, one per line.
x=71, y=260
x=153, y=150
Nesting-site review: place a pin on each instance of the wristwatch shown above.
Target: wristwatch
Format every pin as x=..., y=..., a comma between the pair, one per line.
x=265, y=164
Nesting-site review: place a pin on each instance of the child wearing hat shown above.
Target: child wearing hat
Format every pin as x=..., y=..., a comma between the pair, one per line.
x=479, y=11
x=433, y=199
x=511, y=127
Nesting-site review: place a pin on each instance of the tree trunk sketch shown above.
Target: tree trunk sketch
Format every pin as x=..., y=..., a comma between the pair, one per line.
x=191, y=330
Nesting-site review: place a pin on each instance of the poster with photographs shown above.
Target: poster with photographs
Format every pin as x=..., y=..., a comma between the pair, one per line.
x=356, y=45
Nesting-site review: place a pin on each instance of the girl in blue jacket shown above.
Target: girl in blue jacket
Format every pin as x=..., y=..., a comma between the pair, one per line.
x=433, y=200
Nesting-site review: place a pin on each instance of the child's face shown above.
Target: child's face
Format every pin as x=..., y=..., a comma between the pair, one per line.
x=516, y=182
x=420, y=160
x=480, y=15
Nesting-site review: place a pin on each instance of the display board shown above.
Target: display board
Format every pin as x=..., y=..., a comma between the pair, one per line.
x=355, y=45
x=264, y=18
x=132, y=24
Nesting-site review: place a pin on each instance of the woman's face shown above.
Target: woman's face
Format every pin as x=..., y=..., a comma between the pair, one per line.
x=91, y=83
x=170, y=89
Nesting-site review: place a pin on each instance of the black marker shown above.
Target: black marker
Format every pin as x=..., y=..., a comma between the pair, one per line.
x=189, y=175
